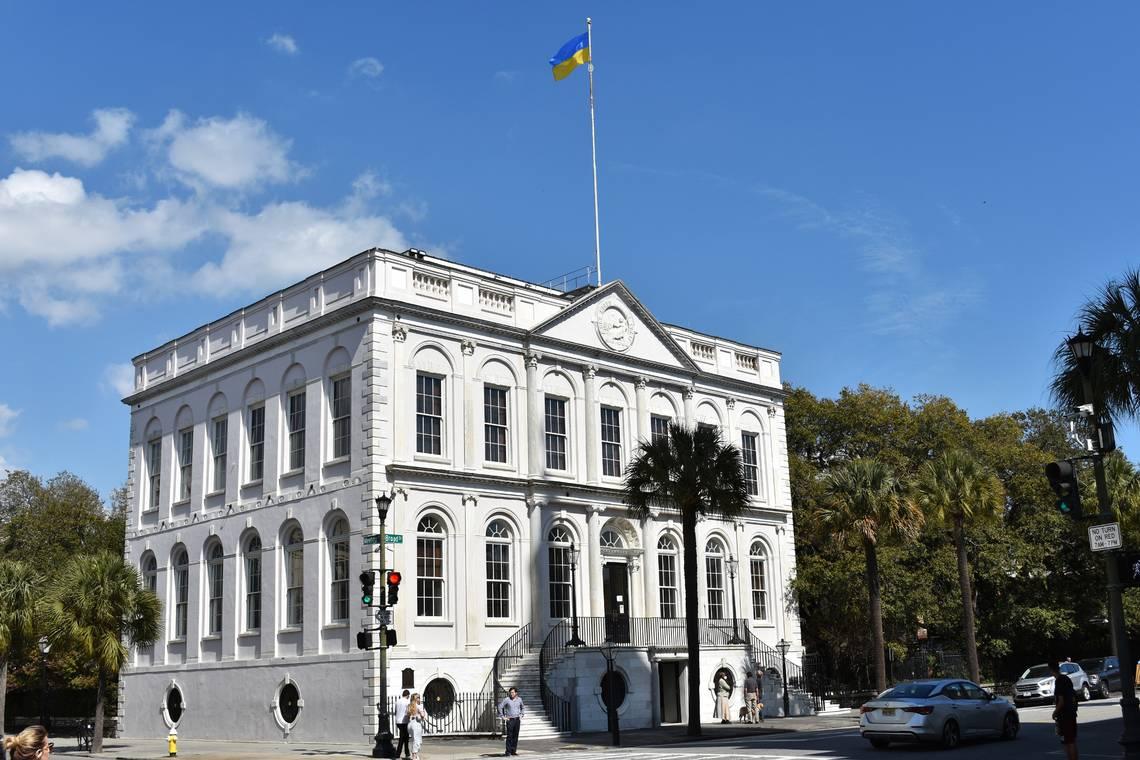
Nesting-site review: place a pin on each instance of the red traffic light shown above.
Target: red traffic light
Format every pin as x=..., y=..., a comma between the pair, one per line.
x=394, y=577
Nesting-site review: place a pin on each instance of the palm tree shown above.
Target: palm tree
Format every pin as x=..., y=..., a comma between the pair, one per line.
x=96, y=603
x=693, y=473
x=953, y=490
x=19, y=613
x=864, y=501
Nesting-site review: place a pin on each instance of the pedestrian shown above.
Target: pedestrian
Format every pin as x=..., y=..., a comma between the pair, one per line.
x=511, y=710
x=1065, y=711
x=723, y=694
x=30, y=744
x=752, y=696
x=402, y=724
x=416, y=717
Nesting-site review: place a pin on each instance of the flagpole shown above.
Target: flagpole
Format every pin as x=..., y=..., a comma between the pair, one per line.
x=594, y=153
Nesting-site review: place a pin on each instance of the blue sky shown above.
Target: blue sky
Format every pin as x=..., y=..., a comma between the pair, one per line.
x=902, y=194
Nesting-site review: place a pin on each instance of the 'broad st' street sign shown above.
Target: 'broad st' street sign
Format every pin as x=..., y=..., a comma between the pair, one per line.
x=371, y=539
x=1104, y=537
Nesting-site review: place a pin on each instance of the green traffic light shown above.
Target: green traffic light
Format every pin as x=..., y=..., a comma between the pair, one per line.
x=366, y=599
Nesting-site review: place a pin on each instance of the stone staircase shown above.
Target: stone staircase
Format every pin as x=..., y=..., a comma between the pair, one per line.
x=523, y=674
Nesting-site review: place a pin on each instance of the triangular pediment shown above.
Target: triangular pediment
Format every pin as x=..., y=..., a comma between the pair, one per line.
x=611, y=318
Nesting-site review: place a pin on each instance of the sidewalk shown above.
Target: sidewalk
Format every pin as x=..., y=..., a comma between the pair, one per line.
x=450, y=749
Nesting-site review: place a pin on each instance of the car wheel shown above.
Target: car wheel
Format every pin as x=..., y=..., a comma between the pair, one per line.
x=1086, y=695
x=1010, y=726
x=880, y=743
x=1105, y=693
x=951, y=736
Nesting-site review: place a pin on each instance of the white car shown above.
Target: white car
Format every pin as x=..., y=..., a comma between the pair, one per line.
x=1037, y=682
x=945, y=711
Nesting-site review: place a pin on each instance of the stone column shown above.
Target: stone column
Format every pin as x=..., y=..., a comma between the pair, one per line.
x=534, y=418
x=729, y=432
x=591, y=429
x=471, y=427
x=471, y=624
x=649, y=567
x=642, y=386
x=404, y=442
x=534, y=548
x=743, y=597
x=594, y=554
x=690, y=407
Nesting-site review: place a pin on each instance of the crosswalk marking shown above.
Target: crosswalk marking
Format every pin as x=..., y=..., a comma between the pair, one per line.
x=665, y=755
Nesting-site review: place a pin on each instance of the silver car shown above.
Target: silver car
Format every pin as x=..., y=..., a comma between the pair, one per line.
x=1036, y=683
x=937, y=710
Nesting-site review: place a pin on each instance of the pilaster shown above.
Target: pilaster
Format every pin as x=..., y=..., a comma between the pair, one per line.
x=592, y=427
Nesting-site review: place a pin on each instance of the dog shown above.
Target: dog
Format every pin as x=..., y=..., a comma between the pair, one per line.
x=743, y=716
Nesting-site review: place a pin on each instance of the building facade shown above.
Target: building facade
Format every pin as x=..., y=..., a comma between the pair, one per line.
x=499, y=415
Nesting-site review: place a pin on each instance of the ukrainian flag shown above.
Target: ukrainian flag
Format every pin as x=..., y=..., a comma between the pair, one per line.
x=572, y=54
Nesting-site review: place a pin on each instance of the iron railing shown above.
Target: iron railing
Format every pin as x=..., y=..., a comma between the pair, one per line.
x=510, y=651
x=457, y=713
x=572, y=280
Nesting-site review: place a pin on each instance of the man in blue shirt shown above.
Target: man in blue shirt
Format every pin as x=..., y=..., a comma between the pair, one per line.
x=511, y=709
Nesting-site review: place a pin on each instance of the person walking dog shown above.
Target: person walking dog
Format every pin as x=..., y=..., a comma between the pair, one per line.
x=752, y=696
x=511, y=709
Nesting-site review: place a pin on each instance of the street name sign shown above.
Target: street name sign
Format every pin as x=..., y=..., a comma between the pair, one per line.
x=1104, y=537
x=371, y=539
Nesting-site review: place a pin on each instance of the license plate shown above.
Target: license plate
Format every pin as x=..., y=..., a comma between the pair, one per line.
x=888, y=711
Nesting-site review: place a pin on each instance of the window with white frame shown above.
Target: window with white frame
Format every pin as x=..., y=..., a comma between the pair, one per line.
x=558, y=566
x=214, y=583
x=429, y=567
x=658, y=428
x=181, y=581
x=494, y=424
x=256, y=435
x=219, y=431
x=252, y=562
x=185, y=463
x=150, y=573
x=341, y=408
x=429, y=414
x=294, y=578
x=154, y=471
x=498, y=571
x=555, y=433
x=751, y=463
x=295, y=419
x=758, y=570
x=338, y=571
x=611, y=539
x=667, y=576
x=611, y=442
x=714, y=578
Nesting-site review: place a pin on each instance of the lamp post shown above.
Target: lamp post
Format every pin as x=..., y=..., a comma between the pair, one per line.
x=611, y=695
x=783, y=645
x=733, y=564
x=383, y=747
x=1083, y=347
x=45, y=647
x=575, y=554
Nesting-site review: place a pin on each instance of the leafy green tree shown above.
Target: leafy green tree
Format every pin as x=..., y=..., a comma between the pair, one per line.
x=96, y=604
x=20, y=590
x=864, y=501
x=691, y=472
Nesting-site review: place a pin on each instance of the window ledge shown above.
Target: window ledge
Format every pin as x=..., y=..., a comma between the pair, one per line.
x=179, y=640
x=563, y=474
x=150, y=510
x=250, y=634
x=291, y=629
x=292, y=473
x=181, y=502
x=337, y=460
x=434, y=622
x=212, y=637
x=498, y=465
x=334, y=626
x=438, y=458
x=219, y=492
x=252, y=483
x=497, y=623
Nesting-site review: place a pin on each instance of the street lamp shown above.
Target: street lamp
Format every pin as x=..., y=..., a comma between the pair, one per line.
x=575, y=555
x=45, y=647
x=1082, y=347
x=783, y=645
x=733, y=564
x=383, y=746
x=610, y=697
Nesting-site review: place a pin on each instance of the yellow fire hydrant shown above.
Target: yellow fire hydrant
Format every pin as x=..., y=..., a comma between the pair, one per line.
x=172, y=742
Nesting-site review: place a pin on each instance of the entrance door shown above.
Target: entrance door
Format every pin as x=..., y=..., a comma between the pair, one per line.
x=615, y=587
x=670, y=677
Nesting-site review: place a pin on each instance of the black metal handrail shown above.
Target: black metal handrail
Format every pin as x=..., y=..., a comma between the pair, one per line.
x=510, y=650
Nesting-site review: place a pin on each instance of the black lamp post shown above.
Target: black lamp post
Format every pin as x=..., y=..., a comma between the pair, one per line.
x=383, y=747
x=575, y=554
x=733, y=564
x=45, y=647
x=1083, y=347
x=783, y=645
x=611, y=695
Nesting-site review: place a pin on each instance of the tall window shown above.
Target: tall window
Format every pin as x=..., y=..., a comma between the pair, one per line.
x=758, y=570
x=338, y=557
x=751, y=466
x=181, y=580
x=296, y=422
x=214, y=580
x=429, y=414
x=555, y=433
x=154, y=470
x=494, y=423
x=256, y=443
x=218, y=446
x=611, y=442
x=558, y=565
x=658, y=428
x=253, y=584
x=714, y=578
x=185, y=462
x=498, y=571
x=150, y=573
x=295, y=578
x=667, y=576
x=342, y=416
x=429, y=568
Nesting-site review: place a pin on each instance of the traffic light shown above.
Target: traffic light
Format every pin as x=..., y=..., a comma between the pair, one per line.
x=1063, y=479
x=394, y=578
x=364, y=640
x=391, y=637
x=367, y=585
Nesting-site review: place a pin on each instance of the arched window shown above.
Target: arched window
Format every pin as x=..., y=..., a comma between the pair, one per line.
x=181, y=581
x=338, y=571
x=150, y=573
x=294, y=578
x=252, y=563
x=714, y=578
x=214, y=580
x=610, y=538
x=758, y=569
x=558, y=564
x=498, y=570
x=429, y=567
x=667, y=576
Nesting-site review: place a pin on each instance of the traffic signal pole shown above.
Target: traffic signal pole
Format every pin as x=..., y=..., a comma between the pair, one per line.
x=383, y=747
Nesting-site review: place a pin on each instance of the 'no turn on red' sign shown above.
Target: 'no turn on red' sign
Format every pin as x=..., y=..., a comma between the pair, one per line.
x=1104, y=537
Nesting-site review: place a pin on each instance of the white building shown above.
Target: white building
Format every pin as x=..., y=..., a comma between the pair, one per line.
x=500, y=414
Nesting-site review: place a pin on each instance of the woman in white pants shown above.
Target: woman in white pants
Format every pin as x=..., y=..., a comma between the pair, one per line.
x=416, y=718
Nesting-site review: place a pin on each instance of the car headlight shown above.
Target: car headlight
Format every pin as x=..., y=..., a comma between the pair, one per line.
x=1094, y=678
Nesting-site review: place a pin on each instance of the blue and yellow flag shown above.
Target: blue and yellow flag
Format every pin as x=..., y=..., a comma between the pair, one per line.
x=570, y=56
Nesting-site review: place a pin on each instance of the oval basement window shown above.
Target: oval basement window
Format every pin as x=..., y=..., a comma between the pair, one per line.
x=289, y=703
x=174, y=704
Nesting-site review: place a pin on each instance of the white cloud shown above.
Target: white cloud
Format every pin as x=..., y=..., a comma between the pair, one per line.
x=119, y=378
x=8, y=417
x=112, y=127
x=75, y=424
x=283, y=43
x=506, y=76
x=367, y=67
x=242, y=152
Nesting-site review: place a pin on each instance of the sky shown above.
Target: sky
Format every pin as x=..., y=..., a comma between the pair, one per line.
x=903, y=194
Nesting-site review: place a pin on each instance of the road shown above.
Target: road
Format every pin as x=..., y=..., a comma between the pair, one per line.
x=1098, y=732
